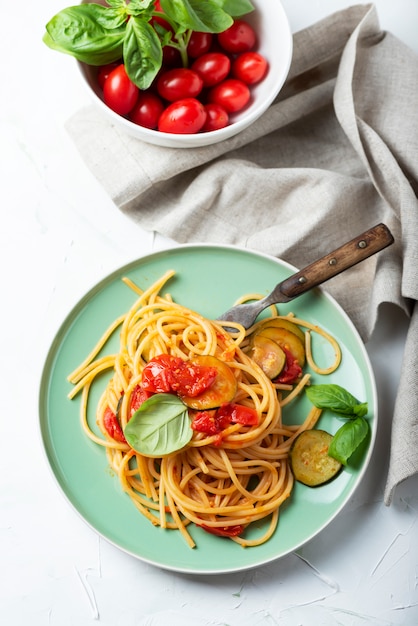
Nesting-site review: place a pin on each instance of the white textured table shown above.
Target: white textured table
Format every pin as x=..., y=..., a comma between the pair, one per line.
x=60, y=234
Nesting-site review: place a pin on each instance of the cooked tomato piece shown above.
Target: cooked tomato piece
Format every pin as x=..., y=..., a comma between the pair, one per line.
x=112, y=426
x=156, y=375
x=291, y=371
x=166, y=373
x=238, y=414
x=209, y=422
x=224, y=531
x=138, y=397
x=215, y=421
x=222, y=389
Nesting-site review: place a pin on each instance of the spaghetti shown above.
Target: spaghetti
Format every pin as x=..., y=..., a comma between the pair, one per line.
x=221, y=481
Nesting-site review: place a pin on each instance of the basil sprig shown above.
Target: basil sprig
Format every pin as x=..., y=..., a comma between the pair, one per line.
x=160, y=426
x=351, y=434
x=123, y=29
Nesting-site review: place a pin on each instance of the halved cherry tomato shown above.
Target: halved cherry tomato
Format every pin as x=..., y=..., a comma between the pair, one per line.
x=179, y=83
x=185, y=116
x=216, y=118
x=112, y=426
x=119, y=92
x=166, y=373
x=147, y=110
x=250, y=67
x=224, y=531
x=240, y=37
x=212, y=67
x=232, y=94
x=199, y=43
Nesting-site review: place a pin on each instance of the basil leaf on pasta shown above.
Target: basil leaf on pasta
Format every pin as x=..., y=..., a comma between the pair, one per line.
x=160, y=426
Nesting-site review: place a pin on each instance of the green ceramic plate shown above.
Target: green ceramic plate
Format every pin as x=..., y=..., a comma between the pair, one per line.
x=208, y=279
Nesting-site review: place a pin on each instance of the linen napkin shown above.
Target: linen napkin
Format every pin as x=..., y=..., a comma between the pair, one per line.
x=336, y=153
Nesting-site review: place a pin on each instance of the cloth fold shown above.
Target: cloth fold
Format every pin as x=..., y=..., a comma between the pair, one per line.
x=336, y=153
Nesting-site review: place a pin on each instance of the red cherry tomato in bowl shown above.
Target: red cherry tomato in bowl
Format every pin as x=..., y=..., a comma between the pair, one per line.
x=212, y=67
x=199, y=43
x=216, y=118
x=104, y=71
x=183, y=117
x=179, y=83
x=240, y=37
x=250, y=67
x=232, y=94
x=119, y=92
x=147, y=110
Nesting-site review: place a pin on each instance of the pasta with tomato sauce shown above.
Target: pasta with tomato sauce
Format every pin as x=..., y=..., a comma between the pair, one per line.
x=191, y=415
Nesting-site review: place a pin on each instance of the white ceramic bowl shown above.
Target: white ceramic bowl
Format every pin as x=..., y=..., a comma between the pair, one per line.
x=274, y=42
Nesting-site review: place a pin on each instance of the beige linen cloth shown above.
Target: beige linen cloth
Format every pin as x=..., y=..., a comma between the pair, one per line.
x=335, y=154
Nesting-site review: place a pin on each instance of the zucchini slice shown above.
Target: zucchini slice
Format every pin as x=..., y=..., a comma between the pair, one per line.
x=223, y=388
x=286, y=339
x=309, y=458
x=279, y=322
x=268, y=355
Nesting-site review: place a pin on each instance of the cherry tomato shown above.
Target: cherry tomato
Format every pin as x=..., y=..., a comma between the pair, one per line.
x=240, y=37
x=250, y=67
x=212, y=67
x=147, y=110
x=159, y=20
x=104, y=72
x=112, y=426
x=232, y=94
x=185, y=116
x=199, y=43
x=119, y=92
x=179, y=83
x=216, y=118
x=171, y=56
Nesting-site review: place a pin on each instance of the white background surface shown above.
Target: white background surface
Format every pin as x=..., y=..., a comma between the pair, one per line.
x=59, y=234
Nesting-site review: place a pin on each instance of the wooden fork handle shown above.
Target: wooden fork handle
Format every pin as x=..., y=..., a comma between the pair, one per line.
x=344, y=257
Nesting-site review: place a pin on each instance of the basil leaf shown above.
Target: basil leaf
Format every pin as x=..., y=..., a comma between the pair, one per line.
x=235, y=8
x=337, y=399
x=142, y=52
x=135, y=7
x=160, y=426
x=91, y=33
x=196, y=15
x=347, y=439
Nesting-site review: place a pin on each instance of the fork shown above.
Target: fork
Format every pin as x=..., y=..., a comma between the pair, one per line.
x=349, y=254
